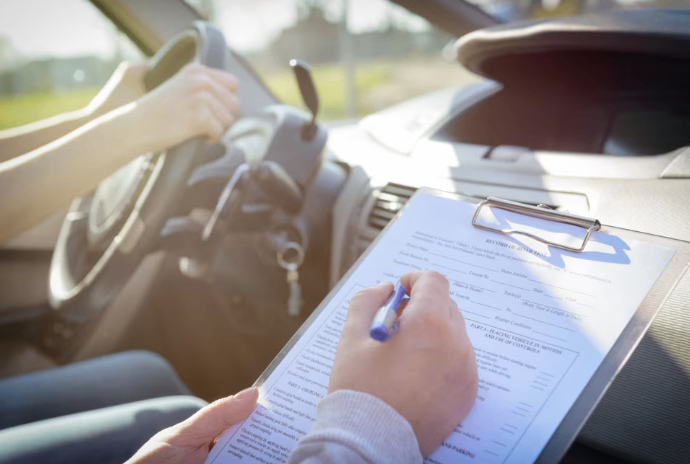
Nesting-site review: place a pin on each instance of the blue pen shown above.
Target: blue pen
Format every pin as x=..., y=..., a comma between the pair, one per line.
x=385, y=322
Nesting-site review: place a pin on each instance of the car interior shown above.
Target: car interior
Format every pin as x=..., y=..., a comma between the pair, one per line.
x=186, y=253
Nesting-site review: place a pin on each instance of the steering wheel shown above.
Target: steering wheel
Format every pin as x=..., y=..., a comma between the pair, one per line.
x=107, y=233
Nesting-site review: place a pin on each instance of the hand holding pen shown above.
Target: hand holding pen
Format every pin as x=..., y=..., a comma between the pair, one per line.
x=427, y=372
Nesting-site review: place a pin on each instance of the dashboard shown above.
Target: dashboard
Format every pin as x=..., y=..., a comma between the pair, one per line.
x=612, y=102
x=646, y=193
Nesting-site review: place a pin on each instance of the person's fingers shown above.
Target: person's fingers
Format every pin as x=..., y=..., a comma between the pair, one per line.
x=408, y=279
x=457, y=326
x=214, y=419
x=423, y=281
x=222, y=114
x=210, y=127
x=215, y=102
x=229, y=101
x=453, y=308
x=460, y=323
x=428, y=291
x=211, y=120
x=226, y=79
x=363, y=307
x=225, y=97
x=403, y=305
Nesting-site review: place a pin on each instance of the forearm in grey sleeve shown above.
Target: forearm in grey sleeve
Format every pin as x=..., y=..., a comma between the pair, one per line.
x=354, y=427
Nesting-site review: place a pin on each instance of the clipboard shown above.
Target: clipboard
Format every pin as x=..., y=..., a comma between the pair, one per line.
x=621, y=350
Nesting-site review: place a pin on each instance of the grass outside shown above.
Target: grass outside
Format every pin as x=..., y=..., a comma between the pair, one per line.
x=330, y=85
x=26, y=108
x=378, y=84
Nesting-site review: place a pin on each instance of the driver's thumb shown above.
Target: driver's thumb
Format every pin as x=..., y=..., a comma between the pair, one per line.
x=215, y=418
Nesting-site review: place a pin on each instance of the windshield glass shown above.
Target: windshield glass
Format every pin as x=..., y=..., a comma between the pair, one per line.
x=365, y=54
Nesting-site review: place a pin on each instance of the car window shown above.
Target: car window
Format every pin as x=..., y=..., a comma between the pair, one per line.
x=381, y=55
x=54, y=57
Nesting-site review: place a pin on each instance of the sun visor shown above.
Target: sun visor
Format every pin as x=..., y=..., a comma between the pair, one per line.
x=583, y=52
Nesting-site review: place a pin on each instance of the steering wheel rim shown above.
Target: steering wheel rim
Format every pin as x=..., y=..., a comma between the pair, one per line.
x=79, y=293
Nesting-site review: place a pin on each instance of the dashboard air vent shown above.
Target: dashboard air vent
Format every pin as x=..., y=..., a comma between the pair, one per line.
x=388, y=202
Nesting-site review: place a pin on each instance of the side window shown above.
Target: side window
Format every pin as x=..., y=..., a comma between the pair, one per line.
x=56, y=60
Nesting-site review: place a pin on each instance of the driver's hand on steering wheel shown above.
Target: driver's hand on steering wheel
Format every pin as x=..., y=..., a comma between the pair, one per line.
x=44, y=165
x=197, y=101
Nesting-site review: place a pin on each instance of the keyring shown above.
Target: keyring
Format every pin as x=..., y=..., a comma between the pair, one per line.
x=290, y=246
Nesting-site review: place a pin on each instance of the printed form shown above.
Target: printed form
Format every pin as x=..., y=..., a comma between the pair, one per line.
x=541, y=320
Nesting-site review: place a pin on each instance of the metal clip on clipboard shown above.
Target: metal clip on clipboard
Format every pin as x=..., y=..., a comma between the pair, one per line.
x=539, y=212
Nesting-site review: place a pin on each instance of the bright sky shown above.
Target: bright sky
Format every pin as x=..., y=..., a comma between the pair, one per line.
x=251, y=24
x=42, y=28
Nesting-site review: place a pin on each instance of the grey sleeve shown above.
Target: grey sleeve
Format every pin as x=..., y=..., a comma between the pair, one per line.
x=354, y=427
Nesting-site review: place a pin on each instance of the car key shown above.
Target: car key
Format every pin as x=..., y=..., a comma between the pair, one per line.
x=290, y=257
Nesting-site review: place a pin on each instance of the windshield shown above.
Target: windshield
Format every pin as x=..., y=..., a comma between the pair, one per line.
x=365, y=55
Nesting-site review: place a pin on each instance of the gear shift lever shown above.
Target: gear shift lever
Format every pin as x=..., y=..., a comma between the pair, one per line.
x=311, y=98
